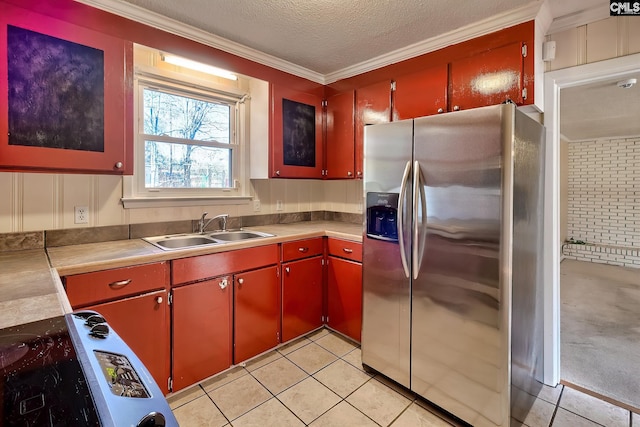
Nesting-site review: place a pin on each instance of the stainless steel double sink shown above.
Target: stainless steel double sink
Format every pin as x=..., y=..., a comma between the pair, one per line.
x=195, y=240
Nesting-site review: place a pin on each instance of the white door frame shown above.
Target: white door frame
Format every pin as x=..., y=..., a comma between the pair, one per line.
x=553, y=82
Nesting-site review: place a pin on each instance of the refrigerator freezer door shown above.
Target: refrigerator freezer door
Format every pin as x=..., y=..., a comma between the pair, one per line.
x=386, y=287
x=460, y=312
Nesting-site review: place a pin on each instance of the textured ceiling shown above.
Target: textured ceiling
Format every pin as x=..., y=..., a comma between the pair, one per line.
x=329, y=35
x=600, y=110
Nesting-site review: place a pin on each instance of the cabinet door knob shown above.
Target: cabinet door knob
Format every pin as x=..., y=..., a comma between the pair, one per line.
x=440, y=110
x=287, y=269
x=159, y=300
x=240, y=281
x=119, y=284
x=359, y=173
x=223, y=283
x=277, y=173
x=456, y=108
x=303, y=250
x=118, y=165
x=349, y=173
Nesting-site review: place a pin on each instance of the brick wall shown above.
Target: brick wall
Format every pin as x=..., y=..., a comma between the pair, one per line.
x=604, y=201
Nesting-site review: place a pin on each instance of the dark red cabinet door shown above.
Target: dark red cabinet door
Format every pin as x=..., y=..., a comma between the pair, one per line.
x=373, y=105
x=201, y=330
x=256, y=312
x=115, y=154
x=301, y=297
x=340, y=141
x=296, y=129
x=344, y=296
x=143, y=323
x=421, y=94
x=488, y=78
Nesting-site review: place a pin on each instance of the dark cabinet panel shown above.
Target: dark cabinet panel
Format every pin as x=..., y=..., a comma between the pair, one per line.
x=421, y=94
x=70, y=101
x=340, y=154
x=488, y=78
x=201, y=330
x=256, y=312
x=296, y=127
x=301, y=297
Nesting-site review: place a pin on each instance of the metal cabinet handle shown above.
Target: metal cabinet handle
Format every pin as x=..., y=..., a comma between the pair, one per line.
x=159, y=300
x=456, y=108
x=348, y=250
x=440, y=110
x=240, y=281
x=287, y=269
x=119, y=284
x=349, y=173
x=303, y=250
x=118, y=165
x=359, y=173
x=277, y=173
x=223, y=283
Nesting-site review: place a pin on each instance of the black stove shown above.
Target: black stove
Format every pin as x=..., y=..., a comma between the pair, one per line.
x=72, y=371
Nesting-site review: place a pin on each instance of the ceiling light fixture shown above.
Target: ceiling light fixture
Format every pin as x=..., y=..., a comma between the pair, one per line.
x=626, y=84
x=197, y=66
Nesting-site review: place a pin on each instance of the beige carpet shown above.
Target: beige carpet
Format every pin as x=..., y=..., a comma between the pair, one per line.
x=600, y=329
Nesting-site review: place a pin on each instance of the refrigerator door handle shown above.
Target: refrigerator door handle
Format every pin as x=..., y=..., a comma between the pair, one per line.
x=403, y=194
x=419, y=229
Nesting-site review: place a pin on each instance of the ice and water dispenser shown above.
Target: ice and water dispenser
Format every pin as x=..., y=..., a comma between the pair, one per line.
x=382, y=210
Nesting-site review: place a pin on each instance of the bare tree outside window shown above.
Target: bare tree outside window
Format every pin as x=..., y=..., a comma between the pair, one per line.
x=188, y=151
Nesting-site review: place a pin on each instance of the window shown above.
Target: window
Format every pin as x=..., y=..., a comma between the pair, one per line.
x=188, y=140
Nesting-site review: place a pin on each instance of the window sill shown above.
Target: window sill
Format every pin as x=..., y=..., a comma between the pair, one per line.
x=160, y=202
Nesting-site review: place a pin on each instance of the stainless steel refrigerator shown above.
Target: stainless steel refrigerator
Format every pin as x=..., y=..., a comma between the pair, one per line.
x=452, y=292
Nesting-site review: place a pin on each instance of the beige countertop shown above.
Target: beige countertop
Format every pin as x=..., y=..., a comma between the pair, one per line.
x=30, y=286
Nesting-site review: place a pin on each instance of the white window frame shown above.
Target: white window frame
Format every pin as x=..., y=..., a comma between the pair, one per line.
x=136, y=195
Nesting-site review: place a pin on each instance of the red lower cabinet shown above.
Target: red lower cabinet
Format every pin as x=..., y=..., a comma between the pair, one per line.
x=143, y=323
x=301, y=297
x=201, y=330
x=344, y=296
x=256, y=320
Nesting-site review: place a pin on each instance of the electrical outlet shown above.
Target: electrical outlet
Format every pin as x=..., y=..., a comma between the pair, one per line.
x=279, y=205
x=256, y=205
x=81, y=215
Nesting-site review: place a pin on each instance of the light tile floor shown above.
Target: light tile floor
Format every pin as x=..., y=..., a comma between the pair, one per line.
x=318, y=380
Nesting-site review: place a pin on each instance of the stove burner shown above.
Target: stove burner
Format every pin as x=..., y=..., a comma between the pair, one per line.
x=42, y=380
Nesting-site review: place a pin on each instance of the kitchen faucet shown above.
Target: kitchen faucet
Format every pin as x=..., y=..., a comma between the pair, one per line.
x=202, y=225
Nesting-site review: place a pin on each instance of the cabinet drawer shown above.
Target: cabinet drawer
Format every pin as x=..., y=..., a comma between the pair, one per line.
x=302, y=249
x=206, y=266
x=345, y=249
x=90, y=288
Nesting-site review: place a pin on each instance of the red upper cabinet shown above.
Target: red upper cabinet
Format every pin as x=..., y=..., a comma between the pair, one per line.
x=340, y=153
x=420, y=94
x=373, y=105
x=296, y=127
x=67, y=105
x=488, y=78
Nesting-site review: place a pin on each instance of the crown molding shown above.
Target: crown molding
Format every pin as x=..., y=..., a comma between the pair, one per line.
x=468, y=32
x=161, y=22
x=574, y=20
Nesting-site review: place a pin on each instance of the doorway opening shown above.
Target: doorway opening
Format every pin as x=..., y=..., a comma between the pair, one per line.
x=588, y=301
